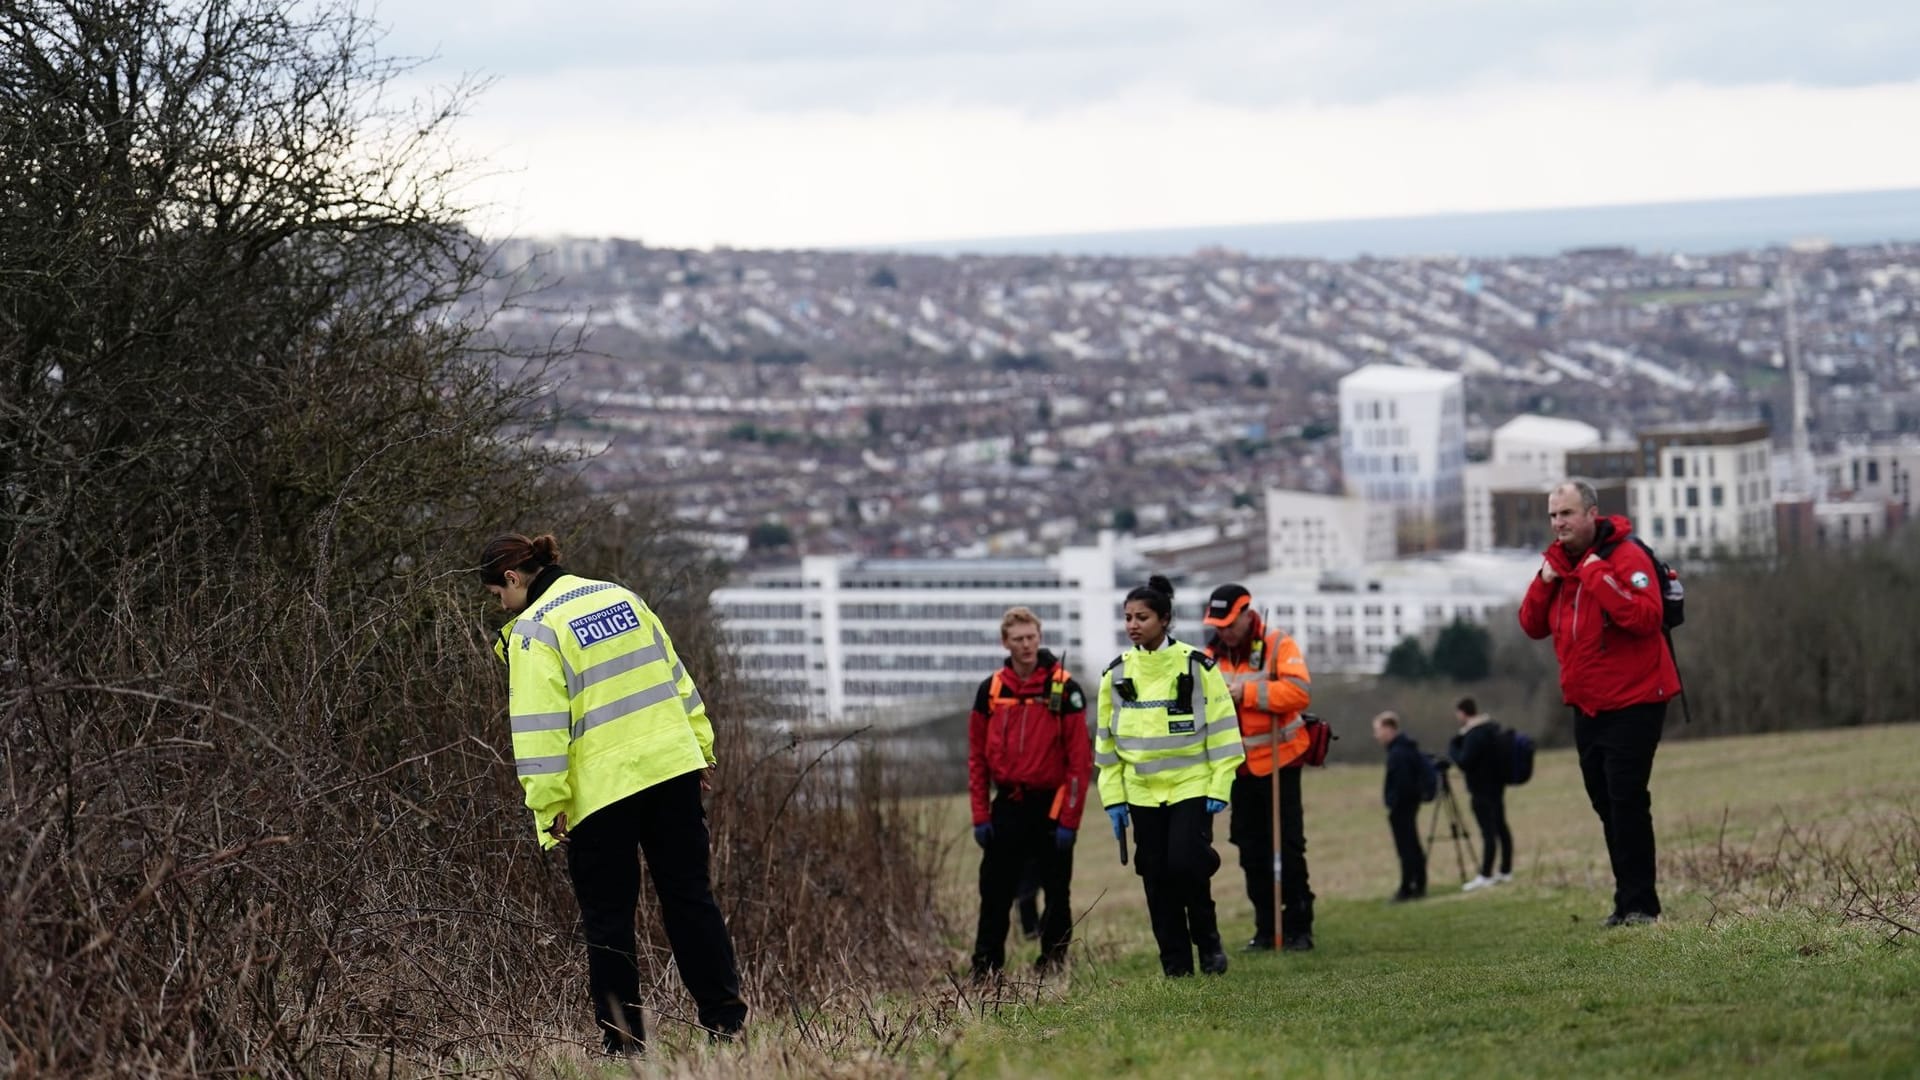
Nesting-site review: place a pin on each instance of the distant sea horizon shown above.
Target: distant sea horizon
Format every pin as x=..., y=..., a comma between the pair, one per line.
x=1693, y=227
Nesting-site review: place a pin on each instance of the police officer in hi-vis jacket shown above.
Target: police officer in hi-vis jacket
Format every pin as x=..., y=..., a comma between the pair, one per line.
x=611, y=743
x=1167, y=745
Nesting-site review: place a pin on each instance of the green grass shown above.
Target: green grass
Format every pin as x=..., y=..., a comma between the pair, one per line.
x=1520, y=980
x=1683, y=297
x=1514, y=983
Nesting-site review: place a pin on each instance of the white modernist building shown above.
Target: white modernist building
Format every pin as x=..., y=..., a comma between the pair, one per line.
x=1313, y=532
x=903, y=640
x=1403, y=443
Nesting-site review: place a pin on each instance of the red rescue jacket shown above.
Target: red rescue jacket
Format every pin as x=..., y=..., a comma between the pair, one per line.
x=1028, y=737
x=1605, y=618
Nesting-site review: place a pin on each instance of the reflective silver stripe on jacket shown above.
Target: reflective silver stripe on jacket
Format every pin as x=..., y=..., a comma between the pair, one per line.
x=616, y=666
x=1196, y=739
x=1287, y=732
x=541, y=766
x=626, y=706
x=1102, y=757
x=1148, y=768
x=546, y=721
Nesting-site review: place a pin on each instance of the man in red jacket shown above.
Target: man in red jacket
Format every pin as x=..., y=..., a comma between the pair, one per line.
x=1598, y=595
x=1027, y=739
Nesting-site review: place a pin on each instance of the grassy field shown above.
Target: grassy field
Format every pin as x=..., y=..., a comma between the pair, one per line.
x=1519, y=980
x=1685, y=297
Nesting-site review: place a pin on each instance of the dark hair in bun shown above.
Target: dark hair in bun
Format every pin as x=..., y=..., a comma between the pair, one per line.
x=512, y=551
x=1157, y=594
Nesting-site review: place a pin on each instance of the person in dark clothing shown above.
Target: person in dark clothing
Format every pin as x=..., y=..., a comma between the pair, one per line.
x=1477, y=751
x=1026, y=899
x=1402, y=796
x=1027, y=744
x=1597, y=594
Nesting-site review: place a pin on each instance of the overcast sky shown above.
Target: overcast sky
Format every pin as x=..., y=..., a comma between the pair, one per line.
x=757, y=123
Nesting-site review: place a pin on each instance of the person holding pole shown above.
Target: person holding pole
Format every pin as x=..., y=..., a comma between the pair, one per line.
x=1268, y=678
x=1167, y=745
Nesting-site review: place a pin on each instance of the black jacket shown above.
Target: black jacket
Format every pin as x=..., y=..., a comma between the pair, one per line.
x=1477, y=752
x=1404, y=772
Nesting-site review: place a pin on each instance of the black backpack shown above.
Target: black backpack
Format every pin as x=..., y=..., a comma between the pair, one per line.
x=1673, y=594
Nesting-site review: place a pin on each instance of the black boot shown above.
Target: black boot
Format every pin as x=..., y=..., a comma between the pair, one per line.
x=1213, y=957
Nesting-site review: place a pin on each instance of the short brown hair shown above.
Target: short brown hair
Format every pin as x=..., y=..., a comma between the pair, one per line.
x=1388, y=719
x=1014, y=617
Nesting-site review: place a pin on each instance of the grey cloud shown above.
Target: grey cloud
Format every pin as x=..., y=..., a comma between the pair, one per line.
x=841, y=54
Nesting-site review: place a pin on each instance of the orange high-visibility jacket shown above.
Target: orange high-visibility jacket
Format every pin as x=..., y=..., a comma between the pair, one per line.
x=1271, y=685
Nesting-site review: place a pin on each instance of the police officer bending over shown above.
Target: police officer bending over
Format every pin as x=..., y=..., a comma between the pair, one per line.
x=610, y=740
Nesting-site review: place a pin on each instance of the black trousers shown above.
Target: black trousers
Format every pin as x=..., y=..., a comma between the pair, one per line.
x=1405, y=823
x=1173, y=854
x=669, y=826
x=1251, y=830
x=1616, y=762
x=1490, y=813
x=1023, y=836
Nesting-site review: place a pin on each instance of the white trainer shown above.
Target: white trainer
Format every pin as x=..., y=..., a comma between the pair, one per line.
x=1479, y=882
x=1502, y=879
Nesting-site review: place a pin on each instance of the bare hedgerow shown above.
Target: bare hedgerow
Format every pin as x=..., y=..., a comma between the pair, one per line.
x=259, y=812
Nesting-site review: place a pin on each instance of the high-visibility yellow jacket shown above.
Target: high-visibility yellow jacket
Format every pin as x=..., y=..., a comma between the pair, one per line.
x=1152, y=747
x=601, y=705
x=1270, y=686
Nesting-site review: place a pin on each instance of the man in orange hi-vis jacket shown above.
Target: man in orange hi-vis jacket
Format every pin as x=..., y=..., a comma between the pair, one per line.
x=1270, y=686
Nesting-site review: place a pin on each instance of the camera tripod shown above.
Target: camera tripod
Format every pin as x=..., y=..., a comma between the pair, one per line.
x=1456, y=825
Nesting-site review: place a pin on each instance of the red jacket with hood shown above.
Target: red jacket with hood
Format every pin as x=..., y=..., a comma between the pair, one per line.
x=1017, y=742
x=1605, y=618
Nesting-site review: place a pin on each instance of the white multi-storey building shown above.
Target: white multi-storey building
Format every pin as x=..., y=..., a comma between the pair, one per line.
x=1347, y=623
x=903, y=640
x=1706, y=491
x=1881, y=472
x=1313, y=532
x=1403, y=442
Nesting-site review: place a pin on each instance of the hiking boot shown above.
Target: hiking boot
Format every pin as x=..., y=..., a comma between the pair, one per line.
x=1213, y=960
x=1405, y=895
x=1258, y=943
x=1638, y=918
x=1301, y=942
x=1176, y=973
x=1613, y=920
x=1479, y=882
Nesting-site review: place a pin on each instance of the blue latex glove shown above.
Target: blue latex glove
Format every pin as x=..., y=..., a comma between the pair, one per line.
x=1118, y=815
x=983, y=833
x=1063, y=838
x=1214, y=806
